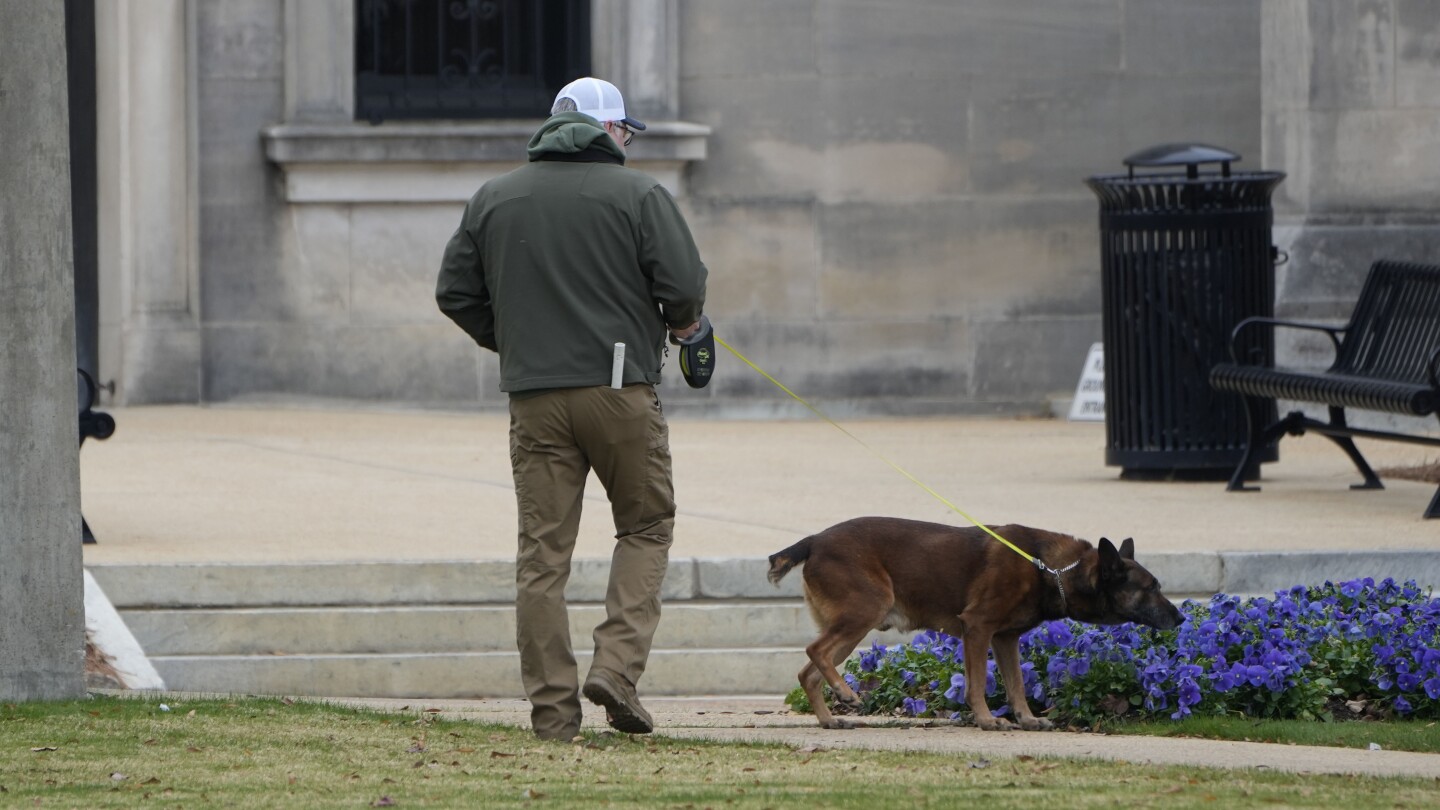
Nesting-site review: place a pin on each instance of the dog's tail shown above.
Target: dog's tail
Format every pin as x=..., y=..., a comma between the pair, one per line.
x=782, y=561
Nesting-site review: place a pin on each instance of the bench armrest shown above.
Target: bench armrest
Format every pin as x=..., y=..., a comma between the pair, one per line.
x=1333, y=332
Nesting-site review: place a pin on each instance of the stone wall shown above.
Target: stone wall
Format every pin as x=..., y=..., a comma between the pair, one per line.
x=889, y=196
x=1352, y=114
x=893, y=210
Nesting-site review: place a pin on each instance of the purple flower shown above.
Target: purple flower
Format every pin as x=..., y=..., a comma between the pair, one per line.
x=1232, y=655
x=868, y=661
x=956, y=692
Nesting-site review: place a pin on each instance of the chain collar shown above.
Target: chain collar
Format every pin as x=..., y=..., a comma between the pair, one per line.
x=1060, y=585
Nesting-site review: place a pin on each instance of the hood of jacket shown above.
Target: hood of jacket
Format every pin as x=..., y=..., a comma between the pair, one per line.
x=568, y=133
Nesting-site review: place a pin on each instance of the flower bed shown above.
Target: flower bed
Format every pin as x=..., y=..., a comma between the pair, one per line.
x=1374, y=648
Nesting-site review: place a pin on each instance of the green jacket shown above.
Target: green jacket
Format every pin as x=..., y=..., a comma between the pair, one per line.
x=557, y=261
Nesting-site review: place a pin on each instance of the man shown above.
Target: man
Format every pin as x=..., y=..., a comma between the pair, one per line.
x=553, y=264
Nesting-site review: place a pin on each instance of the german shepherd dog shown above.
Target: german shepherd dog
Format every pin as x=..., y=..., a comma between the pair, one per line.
x=881, y=573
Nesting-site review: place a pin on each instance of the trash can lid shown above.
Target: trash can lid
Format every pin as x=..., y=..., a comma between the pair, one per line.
x=1189, y=155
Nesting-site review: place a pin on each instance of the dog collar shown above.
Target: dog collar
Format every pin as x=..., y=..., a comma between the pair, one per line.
x=1064, y=607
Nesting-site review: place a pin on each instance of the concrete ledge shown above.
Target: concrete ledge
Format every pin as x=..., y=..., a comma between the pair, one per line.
x=1259, y=572
x=492, y=582
x=433, y=162
x=742, y=579
x=468, y=675
x=459, y=628
x=387, y=583
x=500, y=141
x=1185, y=573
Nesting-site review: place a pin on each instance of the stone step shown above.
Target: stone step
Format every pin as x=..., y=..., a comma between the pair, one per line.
x=446, y=629
x=752, y=671
x=229, y=585
x=400, y=629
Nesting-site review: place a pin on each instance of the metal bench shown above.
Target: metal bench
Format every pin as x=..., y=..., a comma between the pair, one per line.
x=1387, y=358
x=94, y=424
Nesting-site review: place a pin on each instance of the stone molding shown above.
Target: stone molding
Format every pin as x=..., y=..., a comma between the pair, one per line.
x=440, y=161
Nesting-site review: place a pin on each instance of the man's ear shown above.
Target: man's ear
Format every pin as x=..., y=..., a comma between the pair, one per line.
x=1112, y=566
x=1127, y=548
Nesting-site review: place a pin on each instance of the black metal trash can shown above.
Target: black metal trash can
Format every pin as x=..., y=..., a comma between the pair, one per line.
x=1184, y=258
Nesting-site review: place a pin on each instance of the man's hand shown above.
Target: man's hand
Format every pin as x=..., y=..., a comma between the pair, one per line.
x=681, y=334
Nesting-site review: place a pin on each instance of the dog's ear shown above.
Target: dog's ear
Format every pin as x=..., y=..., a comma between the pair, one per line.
x=1127, y=548
x=1112, y=565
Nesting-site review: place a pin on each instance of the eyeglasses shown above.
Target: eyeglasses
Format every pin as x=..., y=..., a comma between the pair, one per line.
x=629, y=133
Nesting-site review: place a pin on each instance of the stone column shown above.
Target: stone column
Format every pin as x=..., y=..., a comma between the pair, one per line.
x=320, y=61
x=1351, y=105
x=149, y=280
x=636, y=46
x=42, y=610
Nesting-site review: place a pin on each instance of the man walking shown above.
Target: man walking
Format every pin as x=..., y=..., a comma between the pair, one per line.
x=553, y=264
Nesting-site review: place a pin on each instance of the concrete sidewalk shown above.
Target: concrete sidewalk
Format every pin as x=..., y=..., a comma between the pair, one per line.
x=305, y=484
x=761, y=719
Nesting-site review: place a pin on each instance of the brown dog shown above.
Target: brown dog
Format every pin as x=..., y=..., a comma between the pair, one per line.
x=881, y=573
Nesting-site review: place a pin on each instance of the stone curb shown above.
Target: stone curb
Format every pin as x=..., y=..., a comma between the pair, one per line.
x=472, y=582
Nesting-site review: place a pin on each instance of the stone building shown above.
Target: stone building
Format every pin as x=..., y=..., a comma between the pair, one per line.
x=888, y=193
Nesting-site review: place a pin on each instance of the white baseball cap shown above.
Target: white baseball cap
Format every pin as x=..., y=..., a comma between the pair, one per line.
x=598, y=99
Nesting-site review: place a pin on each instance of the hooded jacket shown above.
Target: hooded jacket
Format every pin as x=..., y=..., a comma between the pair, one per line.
x=557, y=261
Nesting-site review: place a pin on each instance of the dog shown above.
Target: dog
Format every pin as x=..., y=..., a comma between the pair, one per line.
x=881, y=573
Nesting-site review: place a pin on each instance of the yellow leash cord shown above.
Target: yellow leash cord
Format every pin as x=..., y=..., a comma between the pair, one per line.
x=941, y=498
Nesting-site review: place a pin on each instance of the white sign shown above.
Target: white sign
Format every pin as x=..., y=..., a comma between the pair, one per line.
x=1089, y=402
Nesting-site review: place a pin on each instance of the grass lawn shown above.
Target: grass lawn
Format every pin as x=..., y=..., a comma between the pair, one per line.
x=1411, y=735
x=265, y=752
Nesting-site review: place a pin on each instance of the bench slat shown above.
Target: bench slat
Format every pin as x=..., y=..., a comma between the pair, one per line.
x=1333, y=389
x=1395, y=326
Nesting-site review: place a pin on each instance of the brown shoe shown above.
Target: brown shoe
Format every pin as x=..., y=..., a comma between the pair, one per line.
x=622, y=708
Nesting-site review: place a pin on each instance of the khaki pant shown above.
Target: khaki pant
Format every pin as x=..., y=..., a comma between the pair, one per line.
x=556, y=438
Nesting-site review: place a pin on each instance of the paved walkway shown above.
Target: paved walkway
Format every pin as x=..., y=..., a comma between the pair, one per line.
x=767, y=720
x=252, y=484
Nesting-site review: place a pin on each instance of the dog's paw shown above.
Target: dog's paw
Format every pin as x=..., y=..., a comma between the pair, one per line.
x=1036, y=724
x=995, y=724
x=839, y=723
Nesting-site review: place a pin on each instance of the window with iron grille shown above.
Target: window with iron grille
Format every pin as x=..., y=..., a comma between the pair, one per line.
x=466, y=58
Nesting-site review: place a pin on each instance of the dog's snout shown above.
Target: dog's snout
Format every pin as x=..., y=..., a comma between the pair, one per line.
x=1171, y=617
x=1160, y=614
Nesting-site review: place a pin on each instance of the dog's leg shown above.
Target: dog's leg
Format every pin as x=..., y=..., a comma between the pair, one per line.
x=1007, y=656
x=826, y=654
x=977, y=650
x=811, y=681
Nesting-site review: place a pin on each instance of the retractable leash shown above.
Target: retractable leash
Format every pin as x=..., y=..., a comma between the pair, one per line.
x=697, y=355
x=1037, y=562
